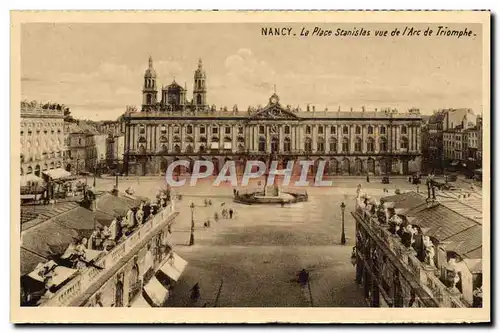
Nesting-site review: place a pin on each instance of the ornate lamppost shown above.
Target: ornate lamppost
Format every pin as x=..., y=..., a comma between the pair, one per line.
x=342, y=237
x=191, y=239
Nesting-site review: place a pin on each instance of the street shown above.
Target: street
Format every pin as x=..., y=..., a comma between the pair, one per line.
x=252, y=260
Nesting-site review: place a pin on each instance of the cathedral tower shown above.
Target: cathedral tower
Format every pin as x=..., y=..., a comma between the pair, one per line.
x=200, y=88
x=149, y=90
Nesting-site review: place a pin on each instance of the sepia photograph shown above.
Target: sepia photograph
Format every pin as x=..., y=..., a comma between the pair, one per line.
x=302, y=166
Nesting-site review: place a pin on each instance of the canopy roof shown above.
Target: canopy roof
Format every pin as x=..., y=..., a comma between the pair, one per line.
x=57, y=173
x=29, y=179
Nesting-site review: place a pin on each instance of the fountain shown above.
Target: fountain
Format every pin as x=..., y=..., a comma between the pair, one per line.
x=271, y=194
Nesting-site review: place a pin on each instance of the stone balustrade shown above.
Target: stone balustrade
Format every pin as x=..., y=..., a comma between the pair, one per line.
x=86, y=277
x=425, y=273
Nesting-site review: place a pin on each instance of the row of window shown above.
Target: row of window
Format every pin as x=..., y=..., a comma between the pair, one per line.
x=41, y=124
x=29, y=170
x=30, y=158
x=262, y=129
x=37, y=132
x=287, y=145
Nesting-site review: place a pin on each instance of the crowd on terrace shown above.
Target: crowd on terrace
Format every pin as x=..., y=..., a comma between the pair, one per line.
x=398, y=222
x=48, y=277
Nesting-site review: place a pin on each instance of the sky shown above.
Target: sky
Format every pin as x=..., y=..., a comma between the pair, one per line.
x=98, y=69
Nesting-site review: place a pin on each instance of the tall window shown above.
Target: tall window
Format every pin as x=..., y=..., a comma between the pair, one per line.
x=404, y=143
x=320, y=129
x=240, y=130
x=228, y=129
x=382, y=129
x=189, y=129
x=333, y=145
x=403, y=129
x=308, y=145
x=202, y=130
x=383, y=144
x=287, y=129
x=370, y=129
x=163, y=129
x=357, y=145
x=321, y=145
x=287, y=145
x=345, y=130
x=345, y=145
x=308, y=129
x=358, y=129
x=370, y=146
x=142, y=130
x=177, y=130
x=215, y=130
x=262, y=130
x=333, y=129
x=262, y=144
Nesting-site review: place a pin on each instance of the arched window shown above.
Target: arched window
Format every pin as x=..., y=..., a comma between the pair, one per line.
x=370, y=145
x=345, y=145
x=177, y=149
x=308, y=145
x=321, y=144
x=202, y=149
x=345, y=130
x=404, y=129
x=148, y=99
x=189, y=149
x=382, y=129
x=308, y=129
x=333, y=145
x=333, y=129
x=262, y=144
x=30, y=170
x=370, y=129
x=287, y=145
x=198, y=97
x=358, y=129
x=383, y=145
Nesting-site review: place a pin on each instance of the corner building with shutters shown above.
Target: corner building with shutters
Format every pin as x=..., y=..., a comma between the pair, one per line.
x=376, y=142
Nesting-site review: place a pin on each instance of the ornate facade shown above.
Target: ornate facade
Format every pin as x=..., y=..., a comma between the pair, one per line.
x=352, y=142
x=42, y=137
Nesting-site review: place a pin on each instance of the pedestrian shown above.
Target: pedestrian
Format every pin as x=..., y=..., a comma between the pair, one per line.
x=206, y=202
x=303, y=277
x=234, y=191
x=216, y=217
x=195, y=293
x=230, y=213
x=209, y=202
x=367, y=177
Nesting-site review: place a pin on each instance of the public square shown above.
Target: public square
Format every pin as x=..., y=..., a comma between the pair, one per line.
x=252, y=260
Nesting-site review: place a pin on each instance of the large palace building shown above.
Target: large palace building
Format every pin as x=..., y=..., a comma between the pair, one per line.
x=378, y=142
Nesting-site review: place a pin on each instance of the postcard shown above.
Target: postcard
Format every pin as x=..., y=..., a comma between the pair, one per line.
x=250, y=167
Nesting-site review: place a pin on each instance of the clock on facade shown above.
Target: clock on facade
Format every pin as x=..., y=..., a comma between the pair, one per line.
x=274, y=99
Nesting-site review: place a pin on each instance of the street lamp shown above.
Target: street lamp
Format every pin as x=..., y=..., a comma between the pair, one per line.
x=342, y=238
x=95, y=170
x=191, y=239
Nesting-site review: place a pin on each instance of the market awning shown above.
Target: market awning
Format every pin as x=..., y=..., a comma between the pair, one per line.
x=174, y=267
x=59, y=274
x=156, y=292
x=140, y=302
x=57, y=173
x=31, y=180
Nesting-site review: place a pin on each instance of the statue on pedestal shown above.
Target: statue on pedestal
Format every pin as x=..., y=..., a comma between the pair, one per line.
x=429, y=251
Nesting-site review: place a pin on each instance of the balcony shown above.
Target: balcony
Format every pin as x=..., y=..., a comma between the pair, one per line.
x=91, y=278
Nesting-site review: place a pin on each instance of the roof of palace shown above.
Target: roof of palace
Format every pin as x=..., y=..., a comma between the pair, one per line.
x=276, y=111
